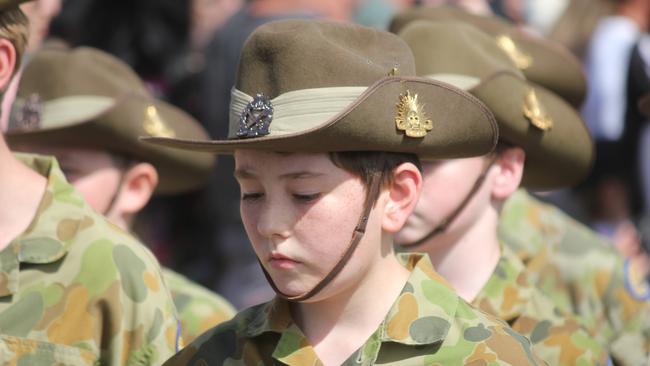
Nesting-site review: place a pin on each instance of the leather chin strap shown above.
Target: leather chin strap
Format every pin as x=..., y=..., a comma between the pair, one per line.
x=117, y=193
x=359, y=231
x=442, y=226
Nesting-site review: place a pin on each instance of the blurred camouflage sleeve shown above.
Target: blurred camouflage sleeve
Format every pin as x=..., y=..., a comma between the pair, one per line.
x=199, y=309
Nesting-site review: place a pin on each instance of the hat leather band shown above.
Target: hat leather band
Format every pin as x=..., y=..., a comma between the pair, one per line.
x=357, y=235
x=297, y=110
x=444, y=224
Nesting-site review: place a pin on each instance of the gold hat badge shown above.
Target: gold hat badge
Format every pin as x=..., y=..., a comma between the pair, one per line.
x=534, y=111
x=154, y=125
x=411, y=117
x=521, y=60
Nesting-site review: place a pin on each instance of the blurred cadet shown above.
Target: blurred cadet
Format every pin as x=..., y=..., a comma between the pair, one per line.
x=74, y=288
x=456, y=219
x=87, y=108
x=328, y=174
x=241, y=280
x=579, y=270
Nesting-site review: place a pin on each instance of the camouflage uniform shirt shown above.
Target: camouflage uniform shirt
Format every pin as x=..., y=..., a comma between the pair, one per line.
x=557, y=338
x=581, y=272
x=77, y=290
x=428, y=324
x=199, y=309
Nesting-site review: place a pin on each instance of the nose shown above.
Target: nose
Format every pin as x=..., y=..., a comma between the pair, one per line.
x=275, y=221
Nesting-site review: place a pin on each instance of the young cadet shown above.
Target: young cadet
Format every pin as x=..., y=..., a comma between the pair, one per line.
x=74, y=289
x=102, y=156
x=325, y=121
x=580, y=271
x=456, y=219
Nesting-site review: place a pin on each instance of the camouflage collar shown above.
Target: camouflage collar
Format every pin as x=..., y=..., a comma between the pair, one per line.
x=53, y=228
x=421, y=315
x=508, y=291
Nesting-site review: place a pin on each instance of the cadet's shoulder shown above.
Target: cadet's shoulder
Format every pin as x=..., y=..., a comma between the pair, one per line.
x=479, y=334
x=557, y=337
x=221, y=342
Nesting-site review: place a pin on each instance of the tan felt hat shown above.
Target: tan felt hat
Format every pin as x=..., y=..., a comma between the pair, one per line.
x=7, y=4
x=542, y=61
x=559, y=148
x=87, y=98
x=314, y=86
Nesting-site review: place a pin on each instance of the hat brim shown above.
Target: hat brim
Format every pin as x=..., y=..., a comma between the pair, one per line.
x=462, y=126
x=555, y=158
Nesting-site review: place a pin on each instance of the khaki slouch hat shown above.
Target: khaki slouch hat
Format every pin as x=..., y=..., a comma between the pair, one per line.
x=8, y=4
x=87, y=98
x=559, y=148
x=542, y=61
x=312, y=86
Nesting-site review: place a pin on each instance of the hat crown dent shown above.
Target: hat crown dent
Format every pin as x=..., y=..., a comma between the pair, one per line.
x=290, y=55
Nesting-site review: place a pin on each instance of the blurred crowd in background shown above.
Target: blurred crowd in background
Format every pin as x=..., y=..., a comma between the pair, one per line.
x=187, y=52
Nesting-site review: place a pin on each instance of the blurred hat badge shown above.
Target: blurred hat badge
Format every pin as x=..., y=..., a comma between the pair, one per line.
x=26, y=114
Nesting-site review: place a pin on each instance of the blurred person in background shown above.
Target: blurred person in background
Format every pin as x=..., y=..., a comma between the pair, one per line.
x=102, y=156
x=614, y=178
x=575, y=25
x=242, y=282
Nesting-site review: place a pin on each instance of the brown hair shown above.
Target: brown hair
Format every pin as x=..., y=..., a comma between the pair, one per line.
x=365, y=163
x=14, y=27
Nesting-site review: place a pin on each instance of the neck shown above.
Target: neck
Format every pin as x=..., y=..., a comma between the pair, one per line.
x=21, y=189
x=468, y=259
x=338, y=325
x=637, y=11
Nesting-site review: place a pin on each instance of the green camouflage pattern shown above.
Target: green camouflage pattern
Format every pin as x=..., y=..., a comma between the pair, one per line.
x=77, y=290
x=199, y=309
x=581, y=273
x=427, y=325
x=557, y=338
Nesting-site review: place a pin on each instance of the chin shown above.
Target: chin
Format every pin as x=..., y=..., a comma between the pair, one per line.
x=290, y=286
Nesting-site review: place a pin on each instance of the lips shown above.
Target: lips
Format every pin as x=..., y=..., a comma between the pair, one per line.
x=281, y=261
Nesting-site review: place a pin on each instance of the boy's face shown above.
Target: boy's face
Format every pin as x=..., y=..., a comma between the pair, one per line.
x=93, y=173
x=299, y=211
x=445, y=184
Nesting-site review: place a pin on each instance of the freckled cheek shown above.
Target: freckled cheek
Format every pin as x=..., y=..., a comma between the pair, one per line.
x=326, y=229
x=250, y=218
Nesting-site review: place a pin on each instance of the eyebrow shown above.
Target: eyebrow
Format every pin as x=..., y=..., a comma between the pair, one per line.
x=247, y=174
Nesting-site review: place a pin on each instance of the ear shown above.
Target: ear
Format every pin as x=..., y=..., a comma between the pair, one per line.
x=508, y=177
x=138, y=185
x=403, y=195
x=7, y=62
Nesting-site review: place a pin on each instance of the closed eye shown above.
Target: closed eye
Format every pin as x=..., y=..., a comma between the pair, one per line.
x=307, y=197
x=251, y=197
